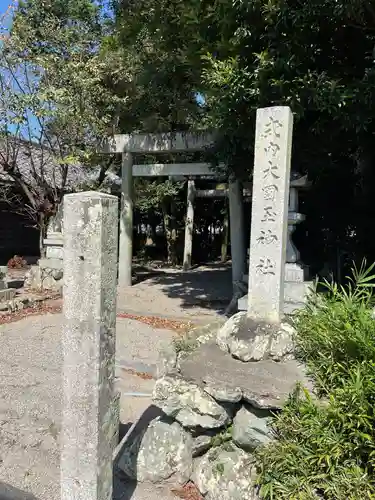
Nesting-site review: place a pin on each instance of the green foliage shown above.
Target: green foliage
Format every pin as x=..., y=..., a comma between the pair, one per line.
x=150, y=195
x=154, y=45
x=325, y=448
x=223, y=437
x=337, y=328
x=315, y=56
x=323, y=451
x=52, y=78
x=185, y=344
x=54, y=106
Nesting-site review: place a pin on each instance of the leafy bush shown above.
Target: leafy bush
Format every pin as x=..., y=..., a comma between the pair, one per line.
x=325, y=448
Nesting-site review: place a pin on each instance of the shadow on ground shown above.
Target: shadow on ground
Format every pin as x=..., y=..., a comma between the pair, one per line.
x=9, y=493
x=209, y=287
x=123, y=487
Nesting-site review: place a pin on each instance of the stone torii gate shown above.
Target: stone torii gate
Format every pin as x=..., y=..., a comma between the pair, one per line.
x=128, y=145
x=295, y=275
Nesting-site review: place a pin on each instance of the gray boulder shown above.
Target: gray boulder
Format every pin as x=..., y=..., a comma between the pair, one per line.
x=229, y=329
x=224, y=393
x=251, y=428
x=163, y=450
x=249, y=340
x=189, y=404
x=167, y=362
x=282, y=344
x=201, y=444
x=226, y=473
x=265, y=384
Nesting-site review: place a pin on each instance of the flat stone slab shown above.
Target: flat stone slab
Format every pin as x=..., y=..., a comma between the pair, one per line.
x=264, y=384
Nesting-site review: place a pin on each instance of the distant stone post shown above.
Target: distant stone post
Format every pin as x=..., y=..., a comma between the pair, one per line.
x=90, y=404
x=237, y=233
x=269, y=218
x=189, y=225
x=126, y=221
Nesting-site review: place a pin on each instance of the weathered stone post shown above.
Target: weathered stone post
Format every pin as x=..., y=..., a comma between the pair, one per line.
x=237, y=232
x=90, y=404
x=189, y=225
x=269, y=218
x=126, y=222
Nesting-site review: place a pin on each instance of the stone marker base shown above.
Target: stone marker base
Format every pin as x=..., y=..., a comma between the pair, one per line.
x=289, y=306
x=54, y=244
x=297, y=291
x=49, y=272
x=214, y=409
x=296, y=273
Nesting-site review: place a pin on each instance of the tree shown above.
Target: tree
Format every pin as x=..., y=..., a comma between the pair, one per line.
x=160, y=201
x=54, y=107
x=154, y=42
x=316, y=56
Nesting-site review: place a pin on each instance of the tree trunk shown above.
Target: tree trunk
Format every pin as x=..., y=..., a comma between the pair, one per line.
x=173, y=234
x=42, y=234
x=167, y=231
x=169, y=220
x=224, y=244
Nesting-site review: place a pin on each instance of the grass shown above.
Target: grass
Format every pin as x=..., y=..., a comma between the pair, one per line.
x=325, y=449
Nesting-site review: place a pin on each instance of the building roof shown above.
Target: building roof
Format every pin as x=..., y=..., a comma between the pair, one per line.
x=34, y=161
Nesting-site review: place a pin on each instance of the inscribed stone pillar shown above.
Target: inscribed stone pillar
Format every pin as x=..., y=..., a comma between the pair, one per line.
x=189, y=225
x=269, y=219
x=126, y=222
x=90, y=403
x=237, y=232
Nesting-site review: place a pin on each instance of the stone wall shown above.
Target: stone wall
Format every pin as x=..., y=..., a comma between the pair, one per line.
x=217, y=391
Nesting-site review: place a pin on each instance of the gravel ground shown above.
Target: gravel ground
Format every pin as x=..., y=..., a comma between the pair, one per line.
x=30, y=399
x=30, y=374
x=138, y=346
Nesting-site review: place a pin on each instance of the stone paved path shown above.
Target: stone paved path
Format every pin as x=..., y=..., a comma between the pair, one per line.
x=30, y=400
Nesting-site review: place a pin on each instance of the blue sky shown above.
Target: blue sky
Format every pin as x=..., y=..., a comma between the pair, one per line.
x=3, y=5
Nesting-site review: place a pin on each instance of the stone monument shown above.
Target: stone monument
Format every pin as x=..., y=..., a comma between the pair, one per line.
x=49, y=272
x=55, y=232
x=90, y=403
x=295, y=286
x=219, y=395
x=269, y=218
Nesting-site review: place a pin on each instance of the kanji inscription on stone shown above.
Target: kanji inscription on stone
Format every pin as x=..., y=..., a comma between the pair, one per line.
x=269, y=218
